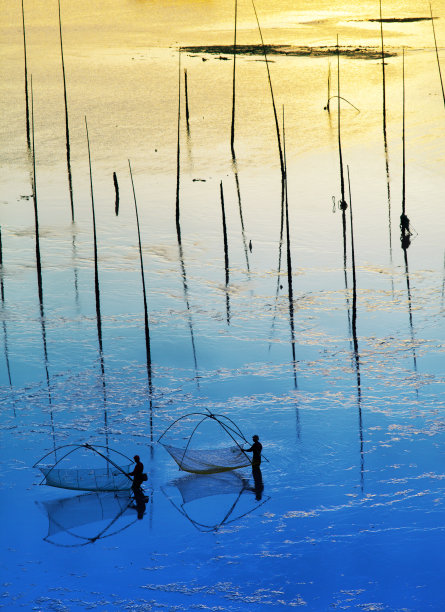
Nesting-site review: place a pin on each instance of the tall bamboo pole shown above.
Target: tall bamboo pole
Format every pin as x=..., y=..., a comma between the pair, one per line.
x=67, y=131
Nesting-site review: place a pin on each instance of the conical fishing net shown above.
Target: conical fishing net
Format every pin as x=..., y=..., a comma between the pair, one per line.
x=208, y=461
x=87, y=479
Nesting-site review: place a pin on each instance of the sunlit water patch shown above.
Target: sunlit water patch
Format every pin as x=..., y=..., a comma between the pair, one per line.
x=343, y=383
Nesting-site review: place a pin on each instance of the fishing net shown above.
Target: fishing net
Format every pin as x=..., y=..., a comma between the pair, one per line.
x=101, y=474
x=98, y=479
x=208, y=461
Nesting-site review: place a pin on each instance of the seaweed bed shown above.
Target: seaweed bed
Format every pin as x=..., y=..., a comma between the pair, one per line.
x=353, y=51
x=400, y=19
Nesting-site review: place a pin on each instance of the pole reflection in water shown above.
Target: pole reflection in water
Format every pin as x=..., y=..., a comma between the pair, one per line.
x=240, y=208
x=443, y=284
x=355, y=342
x=410, y=313
x=289, y=282
x=75, y=269
x=178, y=228
x=226, y=254
x=5, y=330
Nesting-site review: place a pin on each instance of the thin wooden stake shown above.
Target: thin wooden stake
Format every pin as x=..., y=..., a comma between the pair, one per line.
x=67, y=131
x=144, y=292
x=146, y=324
x=116, y=191
x=187, y=114
x=437, y=55
x=28, y=136
x=385, y=141
x=232, y=129
x=178, y=152
x=97, y=293
x=277, y=127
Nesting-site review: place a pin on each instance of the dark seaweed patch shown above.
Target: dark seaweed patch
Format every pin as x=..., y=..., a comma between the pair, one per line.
x=400, y=19
x=288, y=50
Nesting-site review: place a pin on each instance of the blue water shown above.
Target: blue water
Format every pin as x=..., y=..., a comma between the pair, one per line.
x=351, y=516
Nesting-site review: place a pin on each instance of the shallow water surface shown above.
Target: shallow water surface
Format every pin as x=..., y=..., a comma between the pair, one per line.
x=344, y=382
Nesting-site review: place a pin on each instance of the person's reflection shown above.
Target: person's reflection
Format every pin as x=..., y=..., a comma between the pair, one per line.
x=258, y=481
x=140, y=502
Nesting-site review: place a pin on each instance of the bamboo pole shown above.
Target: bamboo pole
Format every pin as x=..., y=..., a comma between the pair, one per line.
x=97, y=292
x=385, y=140
x=67, y=131
x=146, y=322
x=39, y=270
x=144, y=291
x=178, y=151
x=437, y=55
x=232, y=129
x=116, y=192
x=277, y=128
x=405, y=231
x=28, y=135
x=187, y=113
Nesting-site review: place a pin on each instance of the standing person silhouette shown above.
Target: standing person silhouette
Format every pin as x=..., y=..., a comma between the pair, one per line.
x=137, y=474
x=255, y=449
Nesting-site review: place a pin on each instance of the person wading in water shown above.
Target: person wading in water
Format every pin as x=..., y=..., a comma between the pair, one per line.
x=255, y=449
x=137, y=472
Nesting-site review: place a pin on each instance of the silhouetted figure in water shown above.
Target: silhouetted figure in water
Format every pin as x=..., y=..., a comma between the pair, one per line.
x=137, y=474
x=255, y=449
x=140, y=502
x=250, y=245
x=405, y=231
x=258, y=480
